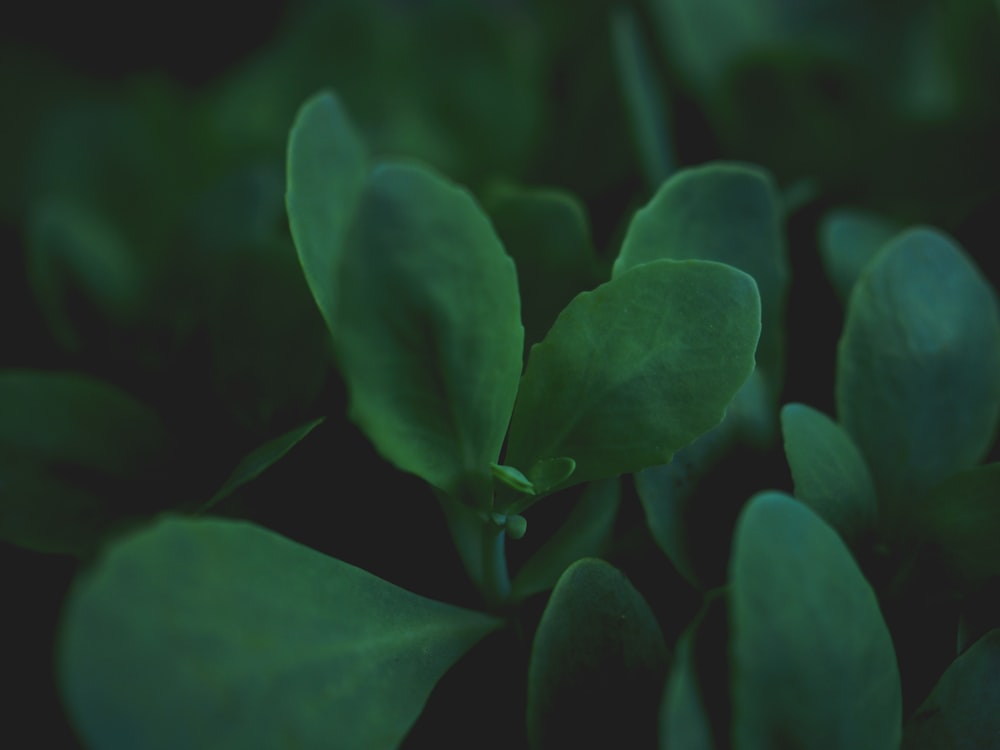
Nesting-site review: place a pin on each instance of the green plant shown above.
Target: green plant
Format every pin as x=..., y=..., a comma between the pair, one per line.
x=221, y=440
x=423, y=306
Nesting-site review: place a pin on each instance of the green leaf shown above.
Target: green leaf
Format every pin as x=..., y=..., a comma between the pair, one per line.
x=551, y=472
x=260, y=460
x=78, y=458
x=327, y=166
x=220, y=634
x=848, y=240
x=513, y=478
x=959, y=521
x=918, y=367
x=812, y=659
x=428, y=329
x=598, y=663
x=644, y=97
x=667, y=494
x=829, y=472
x=728, y=213
x=79, y=265
x=636, y=369
x=684, y=721
x=586, y=532
x=961, y=711
x=546, y=233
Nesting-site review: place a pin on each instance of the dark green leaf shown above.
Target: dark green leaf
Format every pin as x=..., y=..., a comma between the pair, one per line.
x=684, y=721
x=644, y=97
x=513, y=478
x=728, y=213
x=636, y=369
x=428, y=329
x=327, y=165
x=959, y=519
x=666, y=494
x=546, y=233
x=220, y=634
x=598, y=663
x=961, y=712
x=77, y=458
x=812, y=659
x=829, y=472
x=918, y=368
x=585, y=533
x=848, y=240
x=260, y=460
x=80, y=265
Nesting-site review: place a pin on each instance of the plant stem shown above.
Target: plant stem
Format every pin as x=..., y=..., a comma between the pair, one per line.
x=496, y=578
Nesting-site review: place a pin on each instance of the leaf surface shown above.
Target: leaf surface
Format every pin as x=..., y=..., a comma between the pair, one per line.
x=636, y=369
x=220, y=634
x=918, y=366
x=585, y=533
x=598, y=663
x=327, y=166
x=813, y=663
x=429, y=335
x=829, y=472
x=961, y=711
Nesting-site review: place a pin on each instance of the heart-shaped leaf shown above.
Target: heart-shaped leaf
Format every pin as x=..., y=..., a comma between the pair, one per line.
x=598, y=663
x=636, y=369
x=813, y=663
x=220, y=634
x=918, y=366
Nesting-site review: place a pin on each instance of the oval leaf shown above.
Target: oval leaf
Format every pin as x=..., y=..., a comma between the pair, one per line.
x=598, y=663
x=429, y=332
x=918, y=367
x=829, y=472
x=221, y=634
x=813, y=661
x=728, y=213
x=961, y=712
x=637, y=369
x=327, y=166
x=74, y=452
